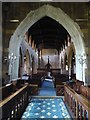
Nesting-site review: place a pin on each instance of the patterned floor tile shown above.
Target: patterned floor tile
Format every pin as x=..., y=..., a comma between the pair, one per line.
x=46, y=108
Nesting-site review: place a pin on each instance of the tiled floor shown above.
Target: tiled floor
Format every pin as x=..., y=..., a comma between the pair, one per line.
x=46, y=108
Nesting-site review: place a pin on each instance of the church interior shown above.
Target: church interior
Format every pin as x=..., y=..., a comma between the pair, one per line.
x=45, y=60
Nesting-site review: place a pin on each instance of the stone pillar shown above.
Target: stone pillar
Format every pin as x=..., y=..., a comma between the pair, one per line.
x=70, y=72
x=14, y=48
x=88, y=70
x=78, y=69
x=88, y=81
x=35, y=66
x=22, y=67
x=32, y=65
x=38, y=58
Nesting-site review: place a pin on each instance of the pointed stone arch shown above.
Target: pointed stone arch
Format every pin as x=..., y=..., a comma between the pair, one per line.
x=58, y=15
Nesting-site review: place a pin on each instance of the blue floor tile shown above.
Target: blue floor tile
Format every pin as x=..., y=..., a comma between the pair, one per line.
x=46, y=108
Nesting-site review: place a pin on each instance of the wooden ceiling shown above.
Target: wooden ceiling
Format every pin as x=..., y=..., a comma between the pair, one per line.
x=48, y=32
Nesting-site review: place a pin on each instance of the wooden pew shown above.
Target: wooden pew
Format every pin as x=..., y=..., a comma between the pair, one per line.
x=77, y=86
x=14, y=105
x=78, y=104
x=85, y=91
x=6, y=91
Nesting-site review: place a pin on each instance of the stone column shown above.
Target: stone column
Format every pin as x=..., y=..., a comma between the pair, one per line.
x=70, y=72
x=38, y=58
x=78, y=69
x=88, y=51
x=14, y=47
x=88, y=70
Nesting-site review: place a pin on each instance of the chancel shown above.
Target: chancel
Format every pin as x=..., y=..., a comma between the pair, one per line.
x=45, y=60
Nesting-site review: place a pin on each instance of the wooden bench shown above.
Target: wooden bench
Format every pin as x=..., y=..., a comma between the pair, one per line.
x=77, y=84
x=85, y=91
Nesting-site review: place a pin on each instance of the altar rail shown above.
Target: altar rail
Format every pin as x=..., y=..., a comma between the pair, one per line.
x=14, y=105
x=77, y=103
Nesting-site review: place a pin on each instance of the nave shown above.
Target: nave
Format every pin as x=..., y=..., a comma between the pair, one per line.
x=31, y=99
x=41, y=41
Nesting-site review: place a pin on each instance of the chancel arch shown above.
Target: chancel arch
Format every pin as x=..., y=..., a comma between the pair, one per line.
x=58, y=15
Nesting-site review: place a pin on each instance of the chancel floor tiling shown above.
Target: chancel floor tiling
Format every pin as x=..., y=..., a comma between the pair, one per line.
x=46, y=108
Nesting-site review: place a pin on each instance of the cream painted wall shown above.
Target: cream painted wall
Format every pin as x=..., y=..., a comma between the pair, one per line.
x=53, y=58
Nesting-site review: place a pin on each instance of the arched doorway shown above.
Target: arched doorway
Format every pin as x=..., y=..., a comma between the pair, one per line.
x=56, y=14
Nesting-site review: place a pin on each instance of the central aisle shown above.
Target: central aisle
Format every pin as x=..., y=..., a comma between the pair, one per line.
x=46, y=108
x=47, y=88
x=46, y=105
